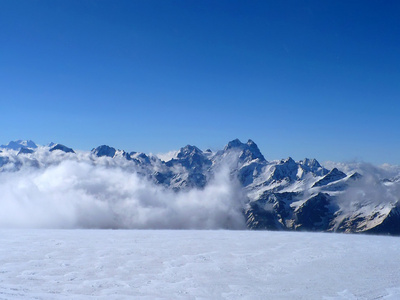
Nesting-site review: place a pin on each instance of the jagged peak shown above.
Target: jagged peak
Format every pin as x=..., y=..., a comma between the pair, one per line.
x=188, y=150
x=288, y=161
x=332, y=176
x=140, y=156
x=236, y=143
x=250, y=150
x=252, y=145
x=191, y=158
x=286, y=168
x=250, y=142
x=104, y=150
x=310, y=162
x=62, y=148
x=336, y=171
x=355, y=176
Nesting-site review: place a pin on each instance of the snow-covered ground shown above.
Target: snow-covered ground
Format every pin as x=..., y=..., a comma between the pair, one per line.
x=166, y=264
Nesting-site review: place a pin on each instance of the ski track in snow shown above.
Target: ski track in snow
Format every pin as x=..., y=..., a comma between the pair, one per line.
x=167, y=264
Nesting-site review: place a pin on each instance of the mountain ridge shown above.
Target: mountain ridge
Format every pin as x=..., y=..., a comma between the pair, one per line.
x=278, y=195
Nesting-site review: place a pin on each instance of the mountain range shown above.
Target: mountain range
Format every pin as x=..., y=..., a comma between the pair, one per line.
x=277, y=195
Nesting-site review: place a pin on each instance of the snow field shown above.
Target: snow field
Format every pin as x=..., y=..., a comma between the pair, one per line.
x=188, y=264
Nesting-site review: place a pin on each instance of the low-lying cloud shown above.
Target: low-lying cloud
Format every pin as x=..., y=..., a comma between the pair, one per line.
x=378, y=186
x=59, y=190
x=76, y=194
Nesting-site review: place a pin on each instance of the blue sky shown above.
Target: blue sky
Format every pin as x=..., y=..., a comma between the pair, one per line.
x=301, y=78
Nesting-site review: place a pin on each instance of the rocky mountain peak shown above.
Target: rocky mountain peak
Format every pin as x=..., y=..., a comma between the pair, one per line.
x=311, y=163
x=313, y=166
x=188, y=150
x=62, y=148
x=104, y=150
x=285, y=169
x=332, y=176
x=248, y=151
x=288, y=161
x=192, y=158
x=236, y=143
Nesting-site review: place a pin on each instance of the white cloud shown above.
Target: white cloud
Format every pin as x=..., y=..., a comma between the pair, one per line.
x=76, y=194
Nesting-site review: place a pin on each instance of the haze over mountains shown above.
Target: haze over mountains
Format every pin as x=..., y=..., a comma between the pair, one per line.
x=54, y=186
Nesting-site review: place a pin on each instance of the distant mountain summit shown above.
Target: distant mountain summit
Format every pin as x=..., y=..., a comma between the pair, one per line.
x=104, y=150
x=277, y=195
x=17, y=145
x=61, y=148
x=247, y=151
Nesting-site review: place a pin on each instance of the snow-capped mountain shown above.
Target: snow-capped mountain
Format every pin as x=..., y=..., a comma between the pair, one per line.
x=17, y=145
x=277, y=195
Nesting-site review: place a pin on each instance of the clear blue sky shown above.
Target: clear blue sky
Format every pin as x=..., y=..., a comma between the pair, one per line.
x=301, y=78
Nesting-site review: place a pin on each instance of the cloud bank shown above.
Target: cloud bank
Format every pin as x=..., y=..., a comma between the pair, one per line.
x=76, y=194
x=63, y=190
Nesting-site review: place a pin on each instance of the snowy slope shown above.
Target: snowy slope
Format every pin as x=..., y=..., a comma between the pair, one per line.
x=131, y=264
